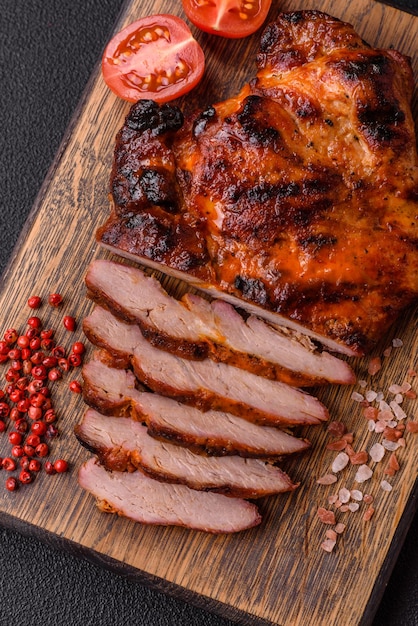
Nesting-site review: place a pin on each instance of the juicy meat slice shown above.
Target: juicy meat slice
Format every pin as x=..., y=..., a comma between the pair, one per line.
x=195, y=328
x=113, y=391
x=148, y=501
x=121, y=443
x=204, y=384
x=297, y=198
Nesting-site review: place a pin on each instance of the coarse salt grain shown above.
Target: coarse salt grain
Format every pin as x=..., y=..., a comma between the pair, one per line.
x=344, y=495
x=371, y=426
x=336, y=429
x=368, y=514
x=357, y=397
x=371, y=395
x=386, y=486
x=326, y=516
x=384, y=406
x=359, y=458
x=395, y=388
x=331, y=534
x=405, y=387
x=328, y=545
x=327, y=479
x=412, y=427
x=363, y=473
x=385, y=416
x=353, y=507
x=340, y=462
x=340, y=528
x=397, y=343
x=390, y=445
x=398, y=410
x=356, y=494
x=380, y=396
x=362, y=383
x=375, y=364
x=398, y=398
x=377, y=452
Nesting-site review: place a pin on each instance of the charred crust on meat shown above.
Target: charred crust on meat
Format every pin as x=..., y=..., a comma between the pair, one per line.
x=158, y=189
x=156, y=236
x=181, y=347
x=202, y=120
x=379, y=123
x=258, y=132
x=148, y=115
x=252, y=289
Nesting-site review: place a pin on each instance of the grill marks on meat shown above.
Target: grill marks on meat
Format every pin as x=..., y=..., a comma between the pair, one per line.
x=204, y=384
x=122, y=443
x=195, y=328
x=113, y=392
x=143, y=499
x=298, y=197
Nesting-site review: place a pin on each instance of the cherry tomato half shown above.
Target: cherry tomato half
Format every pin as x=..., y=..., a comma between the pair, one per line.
x=155, y=57
x=228, y=18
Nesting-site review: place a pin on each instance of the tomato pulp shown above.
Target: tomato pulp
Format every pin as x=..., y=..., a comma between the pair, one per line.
x=155, y=57
x=228, y=18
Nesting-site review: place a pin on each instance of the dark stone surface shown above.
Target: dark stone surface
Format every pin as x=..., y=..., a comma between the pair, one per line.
x=48, y=49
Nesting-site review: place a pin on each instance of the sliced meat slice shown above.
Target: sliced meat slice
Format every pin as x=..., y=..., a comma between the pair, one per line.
x=196, y=328
x=204, y=384
x=121, y=443
x=148, y=501
x=112, y=391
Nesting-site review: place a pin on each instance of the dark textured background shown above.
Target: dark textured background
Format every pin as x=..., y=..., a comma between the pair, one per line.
x=48, y=49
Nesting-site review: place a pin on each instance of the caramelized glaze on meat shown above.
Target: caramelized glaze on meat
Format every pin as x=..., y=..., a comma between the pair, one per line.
x=299, y=195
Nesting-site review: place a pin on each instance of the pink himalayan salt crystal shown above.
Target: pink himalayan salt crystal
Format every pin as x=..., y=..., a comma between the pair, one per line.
x=340, y=462
x=363, y=473
x=375, y=364
x=327, y=479
x=386, y=486
x=328, y=545
x=377, y=452
x=344, y=495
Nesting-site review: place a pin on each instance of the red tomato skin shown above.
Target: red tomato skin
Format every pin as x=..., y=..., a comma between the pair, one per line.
x=220, y=20
x=150, y=43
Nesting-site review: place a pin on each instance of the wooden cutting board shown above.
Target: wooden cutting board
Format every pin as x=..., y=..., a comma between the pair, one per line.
x=277, y=573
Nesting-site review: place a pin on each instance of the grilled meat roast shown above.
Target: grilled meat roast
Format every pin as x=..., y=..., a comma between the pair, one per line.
x=298, y=198
x=196, y=328
x=204, y=384
x=143, y=499
x=217, y=433
x=123, y=444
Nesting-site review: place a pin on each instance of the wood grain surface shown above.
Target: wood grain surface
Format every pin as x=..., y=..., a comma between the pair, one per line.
x=277, y=573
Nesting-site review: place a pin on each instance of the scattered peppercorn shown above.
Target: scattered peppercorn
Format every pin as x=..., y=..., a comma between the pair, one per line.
x=11, y=484
x=55, y=299
x=34, y=302
x=60, y=466
x=69, y=323
x=34, y=362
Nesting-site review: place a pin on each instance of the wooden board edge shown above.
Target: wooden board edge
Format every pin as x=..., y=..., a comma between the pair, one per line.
x=49, y=177
x=408, y=10
x=391, y=558
x=152, y=582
